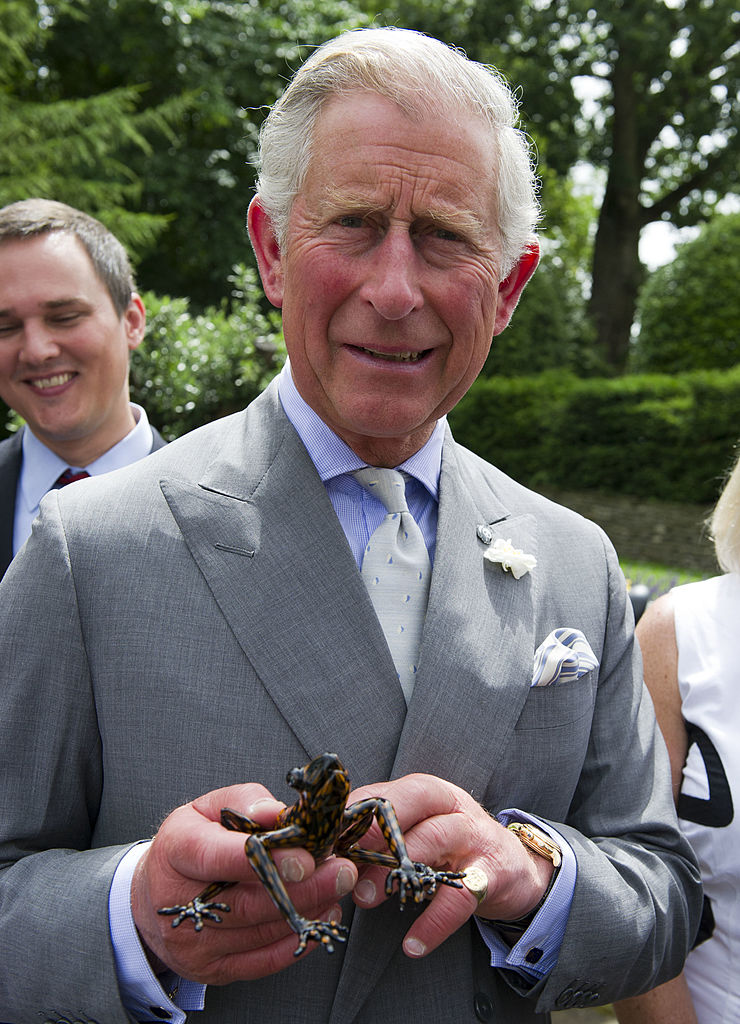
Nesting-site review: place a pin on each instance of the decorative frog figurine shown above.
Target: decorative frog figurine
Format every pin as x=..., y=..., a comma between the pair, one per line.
x=321, y=822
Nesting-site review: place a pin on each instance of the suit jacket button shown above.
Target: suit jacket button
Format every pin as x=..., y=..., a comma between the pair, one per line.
x=483, y=1006
x=565, y=999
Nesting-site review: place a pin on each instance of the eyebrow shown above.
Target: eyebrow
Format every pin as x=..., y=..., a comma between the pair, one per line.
x=53, y=304
x=448, y=216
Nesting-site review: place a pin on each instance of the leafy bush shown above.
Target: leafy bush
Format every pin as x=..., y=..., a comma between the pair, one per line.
x=195, y=368
x=652, y=436
x=689, y=309
x=549, y=330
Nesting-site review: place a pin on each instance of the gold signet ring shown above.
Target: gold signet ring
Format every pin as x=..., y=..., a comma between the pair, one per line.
x=475, y=881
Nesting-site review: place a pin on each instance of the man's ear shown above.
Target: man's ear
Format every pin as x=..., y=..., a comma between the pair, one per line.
x=511, y=288
x=134, y=319
x=266, y=249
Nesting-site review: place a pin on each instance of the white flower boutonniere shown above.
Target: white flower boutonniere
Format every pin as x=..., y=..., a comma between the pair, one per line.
x=510, y=558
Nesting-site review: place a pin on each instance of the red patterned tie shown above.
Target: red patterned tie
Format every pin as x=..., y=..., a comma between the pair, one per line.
x=69, y=476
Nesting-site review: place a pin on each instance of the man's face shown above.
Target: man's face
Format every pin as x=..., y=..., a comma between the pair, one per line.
x=64, y=350
x=389, y=281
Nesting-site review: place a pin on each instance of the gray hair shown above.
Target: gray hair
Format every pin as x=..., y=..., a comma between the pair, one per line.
x=420, y=74
x=724, y=523
x=33, y=217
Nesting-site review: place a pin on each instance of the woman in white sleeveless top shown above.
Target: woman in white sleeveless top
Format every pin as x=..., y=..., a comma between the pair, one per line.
x=690, y=639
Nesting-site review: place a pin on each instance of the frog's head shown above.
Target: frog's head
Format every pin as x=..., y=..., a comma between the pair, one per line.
x=325, y=770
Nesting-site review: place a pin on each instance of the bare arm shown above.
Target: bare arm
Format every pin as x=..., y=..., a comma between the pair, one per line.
x=670, y=1003
x=666, y=1004
x=656, y=633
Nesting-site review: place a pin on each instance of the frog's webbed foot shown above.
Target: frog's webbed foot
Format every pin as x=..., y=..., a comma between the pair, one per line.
x=200, y=908
x=417, y=881
x=324, y=932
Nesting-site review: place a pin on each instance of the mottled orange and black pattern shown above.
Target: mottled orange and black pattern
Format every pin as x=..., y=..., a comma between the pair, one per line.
x=321, y=822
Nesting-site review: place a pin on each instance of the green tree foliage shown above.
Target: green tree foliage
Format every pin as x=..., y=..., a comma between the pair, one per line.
x=231, y=61
x=689, y=310
x=669, y=141
x=550, y=328
x=70, y=147
x=661, y=123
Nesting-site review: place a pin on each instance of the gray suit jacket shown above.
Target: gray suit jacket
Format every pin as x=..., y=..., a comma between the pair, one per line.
x=11, y=457
x=205, y=624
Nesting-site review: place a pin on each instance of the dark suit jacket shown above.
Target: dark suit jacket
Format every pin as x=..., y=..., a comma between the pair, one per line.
x=216, y=630
x=11, y=456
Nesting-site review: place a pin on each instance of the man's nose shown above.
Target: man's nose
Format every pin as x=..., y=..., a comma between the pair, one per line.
x=393, y=283
x=38, y=342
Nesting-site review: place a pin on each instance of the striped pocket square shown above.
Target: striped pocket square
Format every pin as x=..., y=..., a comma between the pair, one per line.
x=565, y=655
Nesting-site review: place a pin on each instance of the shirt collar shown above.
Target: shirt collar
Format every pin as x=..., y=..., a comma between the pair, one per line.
x=332, y=456
x=41, y=467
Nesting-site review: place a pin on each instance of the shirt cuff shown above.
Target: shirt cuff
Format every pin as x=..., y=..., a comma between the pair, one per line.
x=537, y=951
x=145, y=996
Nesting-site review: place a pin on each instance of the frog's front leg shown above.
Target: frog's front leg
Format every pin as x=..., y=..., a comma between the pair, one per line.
x=259, y=856
x=415, y=880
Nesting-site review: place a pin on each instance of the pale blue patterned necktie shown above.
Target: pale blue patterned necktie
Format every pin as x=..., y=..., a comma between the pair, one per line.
x=397, y=572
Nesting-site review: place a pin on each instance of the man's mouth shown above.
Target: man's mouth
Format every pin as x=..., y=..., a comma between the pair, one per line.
x=55, y=381
x=394, y=357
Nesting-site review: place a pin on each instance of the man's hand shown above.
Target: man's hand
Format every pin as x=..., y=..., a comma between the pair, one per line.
x=192, y=849
x=444, y=827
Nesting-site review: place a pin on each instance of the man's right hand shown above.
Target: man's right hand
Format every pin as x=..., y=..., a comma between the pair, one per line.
x=192, y=849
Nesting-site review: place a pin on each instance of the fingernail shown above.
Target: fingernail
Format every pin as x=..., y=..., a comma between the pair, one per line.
x=412, y=947
x=262, y=802
x=365, y=891
x=292, y=870
x=345, y=881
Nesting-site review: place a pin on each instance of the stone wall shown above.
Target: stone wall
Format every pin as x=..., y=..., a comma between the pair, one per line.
x=646, y=531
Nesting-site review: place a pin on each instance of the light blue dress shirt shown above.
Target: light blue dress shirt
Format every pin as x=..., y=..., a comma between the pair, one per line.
x=41, y=468
x=359, y=513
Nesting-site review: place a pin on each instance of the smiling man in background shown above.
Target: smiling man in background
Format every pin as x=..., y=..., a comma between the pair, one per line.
x=69, y=319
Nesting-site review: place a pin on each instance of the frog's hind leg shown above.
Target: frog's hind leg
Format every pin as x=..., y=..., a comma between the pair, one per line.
x=236, y=822
x=323, y=932
x=201, y=908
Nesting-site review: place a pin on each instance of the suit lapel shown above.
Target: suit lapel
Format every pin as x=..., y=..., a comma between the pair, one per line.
x=478, y=643
x=473, y=680
x=265, y=537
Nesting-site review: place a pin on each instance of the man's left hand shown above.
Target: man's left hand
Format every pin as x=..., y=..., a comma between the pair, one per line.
x=444, y=827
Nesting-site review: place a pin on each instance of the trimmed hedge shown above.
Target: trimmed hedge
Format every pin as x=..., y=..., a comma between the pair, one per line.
x=670, y=438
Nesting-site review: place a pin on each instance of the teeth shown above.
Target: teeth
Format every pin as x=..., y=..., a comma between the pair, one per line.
x=52, y=382
x=397, y=357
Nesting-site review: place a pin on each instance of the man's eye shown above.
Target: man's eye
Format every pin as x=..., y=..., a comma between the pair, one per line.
x=351, y=221
x=446, y=235
x=65, y=318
